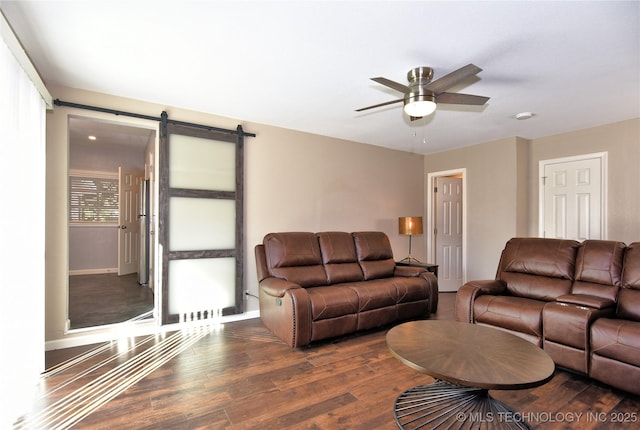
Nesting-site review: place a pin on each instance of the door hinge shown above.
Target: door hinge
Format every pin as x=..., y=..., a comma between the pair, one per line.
x=544, y=180
x=435, y=189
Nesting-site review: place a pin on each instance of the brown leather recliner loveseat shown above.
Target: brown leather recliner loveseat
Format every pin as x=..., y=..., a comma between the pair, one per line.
x=580, y=301
x=315, y=286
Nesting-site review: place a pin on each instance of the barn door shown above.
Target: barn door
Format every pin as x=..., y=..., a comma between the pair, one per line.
x=200, y=223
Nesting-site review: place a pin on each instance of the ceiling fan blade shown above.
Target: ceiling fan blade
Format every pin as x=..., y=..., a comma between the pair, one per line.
x=378, y=105
x=392, y=84
x=461, y=99
x=449, y=80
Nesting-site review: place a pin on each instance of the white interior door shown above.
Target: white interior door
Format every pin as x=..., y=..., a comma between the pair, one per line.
x=572, y=198
x=448, y=232
x=129, y=228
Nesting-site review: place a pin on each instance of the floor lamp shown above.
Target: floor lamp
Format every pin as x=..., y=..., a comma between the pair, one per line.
x=410, y=225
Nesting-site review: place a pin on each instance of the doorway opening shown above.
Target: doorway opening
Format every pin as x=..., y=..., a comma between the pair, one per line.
x=447, y=226
x=111, y=169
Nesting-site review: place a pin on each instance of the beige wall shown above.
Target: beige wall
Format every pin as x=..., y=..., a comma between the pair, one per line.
x=502, y=186
x=300, y=181
x=495, y=173
x=621, y=141
x=294, y=181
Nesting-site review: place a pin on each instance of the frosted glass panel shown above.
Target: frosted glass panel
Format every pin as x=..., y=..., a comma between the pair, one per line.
x=206, y=284
x=202, y=164
x=197, y=224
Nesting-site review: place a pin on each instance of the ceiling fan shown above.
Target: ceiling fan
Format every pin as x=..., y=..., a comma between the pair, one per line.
x=422, y=95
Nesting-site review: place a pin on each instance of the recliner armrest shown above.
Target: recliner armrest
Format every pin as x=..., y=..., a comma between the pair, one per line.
x=586, y=301
x=490, y=286
x=277, y=287
x=408, y=271
x=429, y=277
x=467, y=294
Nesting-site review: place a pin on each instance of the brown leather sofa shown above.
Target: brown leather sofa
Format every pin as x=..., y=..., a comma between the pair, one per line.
x=580, y=301
x=315, y=286
x=615, y=340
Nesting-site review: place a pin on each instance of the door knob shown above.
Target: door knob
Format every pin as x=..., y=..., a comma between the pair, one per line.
x=123, y=227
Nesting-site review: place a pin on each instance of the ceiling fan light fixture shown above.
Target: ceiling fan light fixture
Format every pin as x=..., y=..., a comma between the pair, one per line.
x=421, y=93
x=418, y=104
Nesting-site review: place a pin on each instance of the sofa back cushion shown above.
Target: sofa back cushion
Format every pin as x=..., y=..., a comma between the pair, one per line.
x=599, y=268
x=339, y=257
x=295, y=257
x=631, y=267
x=374, y=253
x=629, y=298
x=538, y=268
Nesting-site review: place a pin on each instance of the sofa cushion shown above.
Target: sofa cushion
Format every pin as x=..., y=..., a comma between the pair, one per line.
x=600, y=262
x=536, y=287
x=513, y=313
x=540, y=256
x=629, y=297
x=599, y=269
x=339, y=257
x=538, y=268
x=375, y=255
x=332, y=301
x=374, y=294
x=605, y=292
x=295, y=257
x=631, y=270
x=629, y=304
x=411, y=289
x=617, y=339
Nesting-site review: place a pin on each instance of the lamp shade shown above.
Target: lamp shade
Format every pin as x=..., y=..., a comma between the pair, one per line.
x=410, y=225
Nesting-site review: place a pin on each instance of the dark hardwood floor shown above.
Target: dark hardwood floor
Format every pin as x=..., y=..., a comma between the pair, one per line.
x=103, y=299
x=239, y=376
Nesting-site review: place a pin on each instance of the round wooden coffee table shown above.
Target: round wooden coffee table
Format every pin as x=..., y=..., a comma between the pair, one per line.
x=467, y=360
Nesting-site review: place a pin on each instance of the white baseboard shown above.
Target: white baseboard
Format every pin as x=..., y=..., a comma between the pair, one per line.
x=88, y=336
x=93, y=271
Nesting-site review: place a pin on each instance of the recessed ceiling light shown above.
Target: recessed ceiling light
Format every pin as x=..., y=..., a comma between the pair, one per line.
x=92, y=138
x=524, y=115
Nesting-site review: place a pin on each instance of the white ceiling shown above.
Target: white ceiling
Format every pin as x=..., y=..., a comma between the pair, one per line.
x=305, y=65
x=108, y=135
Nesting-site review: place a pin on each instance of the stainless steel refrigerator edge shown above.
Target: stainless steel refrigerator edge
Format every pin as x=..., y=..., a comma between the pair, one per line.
x=143, y=271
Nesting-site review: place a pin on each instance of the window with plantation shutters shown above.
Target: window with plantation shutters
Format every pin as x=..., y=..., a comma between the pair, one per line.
x=93, y=198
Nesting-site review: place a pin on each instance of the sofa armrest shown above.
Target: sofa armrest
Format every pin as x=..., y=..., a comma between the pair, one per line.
x=285, y=310
x=277, y=287
x=493, y=286
x=430, y=278
x=432, y=285
x=586, y=301
x=467, y=294
x=408, y=271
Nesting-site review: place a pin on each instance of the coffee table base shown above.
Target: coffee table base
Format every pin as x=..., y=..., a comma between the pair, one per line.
x=446, y=405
